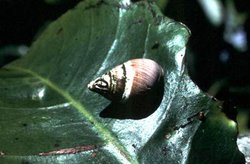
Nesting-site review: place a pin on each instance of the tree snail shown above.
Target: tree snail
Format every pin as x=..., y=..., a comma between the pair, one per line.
x=131, y=80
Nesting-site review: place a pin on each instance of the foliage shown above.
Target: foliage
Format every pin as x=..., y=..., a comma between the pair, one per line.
x=49, y=116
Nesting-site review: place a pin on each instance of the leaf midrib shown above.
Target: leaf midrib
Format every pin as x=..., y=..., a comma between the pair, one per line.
x=105, y=133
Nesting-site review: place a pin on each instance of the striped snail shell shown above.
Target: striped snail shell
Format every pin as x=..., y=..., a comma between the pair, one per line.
x=132, y=79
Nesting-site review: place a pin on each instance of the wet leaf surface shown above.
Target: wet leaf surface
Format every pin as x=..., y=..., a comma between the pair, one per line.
x=49, y=116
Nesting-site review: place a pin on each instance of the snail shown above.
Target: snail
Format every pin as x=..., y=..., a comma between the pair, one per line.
x=133, y=79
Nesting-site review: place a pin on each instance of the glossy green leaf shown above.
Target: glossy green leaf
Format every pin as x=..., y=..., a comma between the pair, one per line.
x=49, y=116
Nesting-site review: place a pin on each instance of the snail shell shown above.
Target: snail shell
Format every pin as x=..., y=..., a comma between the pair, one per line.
x=132, y=79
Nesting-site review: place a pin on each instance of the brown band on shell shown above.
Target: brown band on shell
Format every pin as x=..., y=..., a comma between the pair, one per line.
x=119, y=89
x=120, y=83
x=115, y=80
x=110, y=81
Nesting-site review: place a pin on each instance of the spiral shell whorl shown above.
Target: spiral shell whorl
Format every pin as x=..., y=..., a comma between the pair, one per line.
x=132, y=78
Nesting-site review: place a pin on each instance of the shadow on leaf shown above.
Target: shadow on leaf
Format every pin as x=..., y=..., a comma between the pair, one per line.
x=136, y=107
